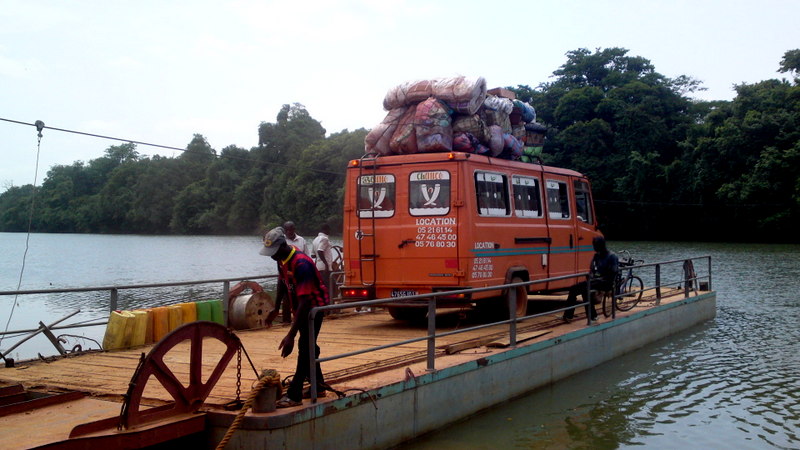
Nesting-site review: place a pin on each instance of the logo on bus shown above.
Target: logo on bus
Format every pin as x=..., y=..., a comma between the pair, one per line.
x=430, y=194
x=377, y=198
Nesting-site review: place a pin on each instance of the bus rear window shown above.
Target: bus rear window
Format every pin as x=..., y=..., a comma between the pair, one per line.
x=527, y=197
x=557, y=199
x=376, y=196
x=429, y=193
x=492, y=192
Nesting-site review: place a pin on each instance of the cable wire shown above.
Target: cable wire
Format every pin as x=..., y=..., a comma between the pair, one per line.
x=168, y=147
x=39, y=126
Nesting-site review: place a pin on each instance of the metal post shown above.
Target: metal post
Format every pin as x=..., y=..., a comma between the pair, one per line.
x=226, y=289
x=686, y=282
x=113, y=301
x=312, y=355
x=431, y=333
x=512, y=314
x=53, y=339
x=614, y=290
x=658, y=284
x=588, y=300
x=709, y=274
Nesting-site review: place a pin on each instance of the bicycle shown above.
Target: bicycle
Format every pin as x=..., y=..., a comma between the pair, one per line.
x=628, y=289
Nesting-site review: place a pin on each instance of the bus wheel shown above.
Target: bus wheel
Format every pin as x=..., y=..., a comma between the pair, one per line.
x=520, y=299
x=406, y=313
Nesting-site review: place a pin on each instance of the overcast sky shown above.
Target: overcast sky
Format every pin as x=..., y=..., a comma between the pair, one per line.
x=160, y=71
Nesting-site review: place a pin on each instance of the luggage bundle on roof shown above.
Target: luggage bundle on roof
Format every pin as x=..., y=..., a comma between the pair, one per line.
x=460, y=114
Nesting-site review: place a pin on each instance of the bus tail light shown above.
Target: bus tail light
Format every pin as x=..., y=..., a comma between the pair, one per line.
x=357, y=293
x=458, y=297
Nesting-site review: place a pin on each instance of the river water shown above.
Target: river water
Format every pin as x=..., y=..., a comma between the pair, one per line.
x=732, y=382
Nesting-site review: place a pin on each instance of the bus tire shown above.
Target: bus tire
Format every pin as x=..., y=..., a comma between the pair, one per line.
x=520, y=299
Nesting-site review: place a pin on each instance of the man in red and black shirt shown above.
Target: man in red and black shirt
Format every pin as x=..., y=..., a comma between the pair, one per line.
x=305, y=291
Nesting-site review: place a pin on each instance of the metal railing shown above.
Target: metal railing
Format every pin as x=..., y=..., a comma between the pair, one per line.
x=686, y=278
x=657, y=276
x=113, y=296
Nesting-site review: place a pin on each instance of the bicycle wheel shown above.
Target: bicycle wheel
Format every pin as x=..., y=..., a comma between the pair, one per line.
x=630, y=293
x=607, y=303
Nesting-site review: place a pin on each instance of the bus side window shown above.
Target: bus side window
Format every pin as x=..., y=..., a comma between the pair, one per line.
x=527, y=199
x=558, y=200
x=491, y=190
x=583, y=202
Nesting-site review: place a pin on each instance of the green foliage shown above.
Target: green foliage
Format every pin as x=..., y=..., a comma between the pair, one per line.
x=657, y=158
x=15, y=206
x=296, y=173
x=662, y=165
x=791, y=62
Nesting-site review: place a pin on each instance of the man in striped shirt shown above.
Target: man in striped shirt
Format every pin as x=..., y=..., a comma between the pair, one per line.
x=305, y=291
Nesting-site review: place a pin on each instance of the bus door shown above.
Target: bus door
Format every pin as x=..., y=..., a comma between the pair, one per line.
x=531, y=236
x=491, y=236
x=562, y=230
x=585, y=225
x=428, y=248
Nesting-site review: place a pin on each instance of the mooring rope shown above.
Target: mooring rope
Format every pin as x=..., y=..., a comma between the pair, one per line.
x=268, y=377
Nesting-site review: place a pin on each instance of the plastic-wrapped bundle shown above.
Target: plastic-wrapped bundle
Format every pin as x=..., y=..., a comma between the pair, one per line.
x=495, y=117
x=378, y=138
x=432, y=123
x=519, y=132
x=536, y=126
x=535, y=133
x=464, y=142
x=467, y=143
x=408, y=93
x=513, y=144
x=495, y=140
x=472, y=124
x=496, y=111
x=462, y=94
x=498, y=104
x=404, y=139
x=526, y=111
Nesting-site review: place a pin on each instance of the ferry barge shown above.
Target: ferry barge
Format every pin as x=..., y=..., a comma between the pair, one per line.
x=392, y=393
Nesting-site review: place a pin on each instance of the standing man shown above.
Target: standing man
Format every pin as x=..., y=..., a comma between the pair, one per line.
x=305, y=291
x=323, y=250
x=292, y=238
x=603, y=271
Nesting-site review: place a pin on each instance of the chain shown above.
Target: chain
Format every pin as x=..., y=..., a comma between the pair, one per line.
x=239, y=375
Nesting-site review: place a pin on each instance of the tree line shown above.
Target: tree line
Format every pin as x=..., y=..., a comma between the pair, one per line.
x=662, y=165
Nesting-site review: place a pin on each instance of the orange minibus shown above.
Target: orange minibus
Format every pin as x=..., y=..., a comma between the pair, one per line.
x=437, y=222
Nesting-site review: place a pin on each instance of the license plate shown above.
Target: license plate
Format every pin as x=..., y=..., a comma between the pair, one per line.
x=403, y=292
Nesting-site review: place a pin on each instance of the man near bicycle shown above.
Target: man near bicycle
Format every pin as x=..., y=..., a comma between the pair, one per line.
x=603, y=270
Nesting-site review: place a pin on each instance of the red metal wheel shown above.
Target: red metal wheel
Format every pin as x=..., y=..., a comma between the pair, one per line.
x=188, y=399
